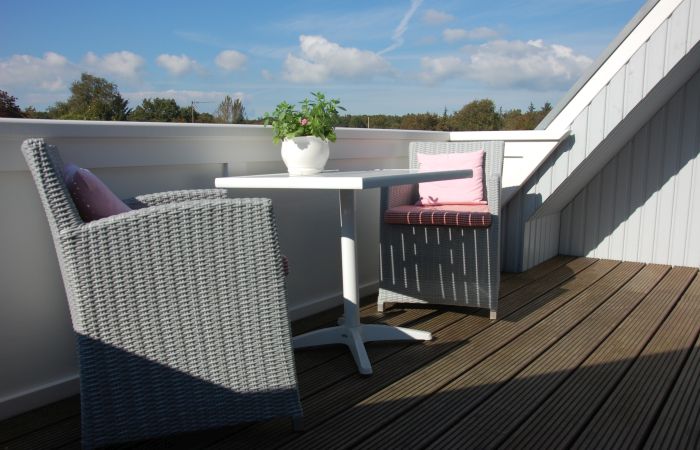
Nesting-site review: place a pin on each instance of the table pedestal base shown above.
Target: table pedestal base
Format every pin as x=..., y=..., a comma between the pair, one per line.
x=355, y=338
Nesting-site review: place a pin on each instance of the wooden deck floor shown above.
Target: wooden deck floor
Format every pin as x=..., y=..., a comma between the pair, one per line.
x=586, y=354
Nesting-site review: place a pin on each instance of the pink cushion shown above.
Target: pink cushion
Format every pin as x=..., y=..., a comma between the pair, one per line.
x=475, y=216
x=464, y=191
x=91, y=196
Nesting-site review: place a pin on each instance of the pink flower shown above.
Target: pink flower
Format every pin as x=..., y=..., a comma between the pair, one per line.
x=304, y=122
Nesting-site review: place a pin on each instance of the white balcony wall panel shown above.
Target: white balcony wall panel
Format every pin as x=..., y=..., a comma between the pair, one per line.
x=655, y=58
x=615, y=113
x=621, y=187
x=694, y=23
x=677, y=37
x=643, y=205
x=634, y=80
x=36, y=339
x=615, y=95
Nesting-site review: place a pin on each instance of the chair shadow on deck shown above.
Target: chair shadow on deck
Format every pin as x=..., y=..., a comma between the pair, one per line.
x=185, y=401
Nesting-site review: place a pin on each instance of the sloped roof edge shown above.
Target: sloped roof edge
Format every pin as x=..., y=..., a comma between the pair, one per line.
x=631, y=25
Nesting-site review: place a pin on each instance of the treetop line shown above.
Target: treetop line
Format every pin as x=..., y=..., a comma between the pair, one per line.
x=95, y=98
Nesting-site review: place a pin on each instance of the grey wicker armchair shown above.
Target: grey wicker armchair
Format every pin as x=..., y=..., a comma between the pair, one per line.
x=448, y=265
x=178, y=308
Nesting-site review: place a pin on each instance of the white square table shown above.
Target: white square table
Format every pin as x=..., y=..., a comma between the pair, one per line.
x=349, y=331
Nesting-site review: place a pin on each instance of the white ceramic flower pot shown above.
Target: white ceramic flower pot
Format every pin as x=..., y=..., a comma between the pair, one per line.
x=305, y=155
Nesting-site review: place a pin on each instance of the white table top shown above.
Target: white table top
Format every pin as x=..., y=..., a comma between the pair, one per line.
x=330, y=179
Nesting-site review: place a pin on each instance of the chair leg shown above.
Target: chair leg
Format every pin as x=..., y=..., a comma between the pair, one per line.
x=297, y=424
x=492, y=314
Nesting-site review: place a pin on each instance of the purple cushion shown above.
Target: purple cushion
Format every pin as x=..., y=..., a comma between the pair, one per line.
x=91, y=196
x=464, y=191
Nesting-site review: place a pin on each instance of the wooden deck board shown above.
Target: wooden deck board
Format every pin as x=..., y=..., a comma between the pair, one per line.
x=33, y=420
x=560, y=419
x=519, y=396
x=585, y=353
x=678, y=425
x=636, y=400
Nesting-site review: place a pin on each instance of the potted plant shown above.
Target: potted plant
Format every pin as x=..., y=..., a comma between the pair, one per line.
x=305, y=132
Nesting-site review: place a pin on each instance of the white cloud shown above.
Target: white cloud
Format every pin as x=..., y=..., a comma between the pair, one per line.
x=121, y=64
x=397, y=36
x=52, y=72
x=531, y=64
x=321, y=59
x=435, y=17
x=177, y=65
x=475, y=34
x=231, y=60
x=266, y=74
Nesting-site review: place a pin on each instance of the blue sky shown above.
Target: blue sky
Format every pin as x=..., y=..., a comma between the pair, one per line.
x=391, y=57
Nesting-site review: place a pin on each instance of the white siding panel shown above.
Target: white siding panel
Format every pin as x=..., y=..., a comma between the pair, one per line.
x=565, y=230
x=622, y=200
x=578, y=130
x=694, y=24
x=514, y=234
x=670, y=150
x=644, y=205
x=561, y=164
x=592, y=217
x=691, y=148
x=677, y=35
x=651, y=188
x=544, y=182
x=596, y=122
x=607, y=210
x=542, y=236
x=654, y=60
x=578, y=225
x=633, y=225
x=684, y=180
x=615, y=100
x=634, y=80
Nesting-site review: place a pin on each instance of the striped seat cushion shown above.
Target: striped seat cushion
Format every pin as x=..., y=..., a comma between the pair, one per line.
x=475, y=216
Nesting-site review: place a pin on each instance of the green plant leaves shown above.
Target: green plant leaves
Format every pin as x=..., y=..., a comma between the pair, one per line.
x=316, y=117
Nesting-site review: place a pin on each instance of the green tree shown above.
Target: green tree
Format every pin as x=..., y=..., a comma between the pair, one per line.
x=230, y=111
x=205, y=118
x=92, y=98
x=8, y=106
x=356, y=122
x=238, y=111
x=478, y=115
x=425, y=121
x=224, y=112
x=31, y=113
x=156, y=110
x=517, y=120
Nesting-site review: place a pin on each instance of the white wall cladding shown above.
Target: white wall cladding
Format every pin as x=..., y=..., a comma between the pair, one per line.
x=635, y=91
x=644, y=205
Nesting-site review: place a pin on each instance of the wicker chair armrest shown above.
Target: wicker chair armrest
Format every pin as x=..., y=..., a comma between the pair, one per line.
x=493, y=193
x=161, y=198
x=168, y=259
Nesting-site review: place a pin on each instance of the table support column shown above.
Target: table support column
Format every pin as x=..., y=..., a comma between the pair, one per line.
x=350, y=331
x=351, y=290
